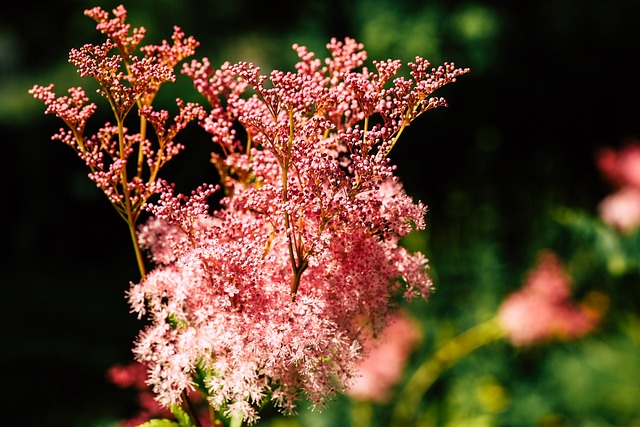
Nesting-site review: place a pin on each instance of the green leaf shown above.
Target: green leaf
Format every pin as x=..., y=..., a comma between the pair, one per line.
x=184, y=420
x=160, y=423
x=236, y=420
x=201, y=376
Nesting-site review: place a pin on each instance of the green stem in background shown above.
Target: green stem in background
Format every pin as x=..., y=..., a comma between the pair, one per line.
x=429, y=371
x=361, y=413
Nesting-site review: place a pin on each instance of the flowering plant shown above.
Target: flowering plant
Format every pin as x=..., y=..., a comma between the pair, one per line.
x=266, y=296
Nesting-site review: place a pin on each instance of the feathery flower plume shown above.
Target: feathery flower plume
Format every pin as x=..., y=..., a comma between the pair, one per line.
x=270, y=294
x=123, y=162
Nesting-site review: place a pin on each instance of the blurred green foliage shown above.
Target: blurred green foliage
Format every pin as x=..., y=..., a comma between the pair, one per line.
x=507, y=170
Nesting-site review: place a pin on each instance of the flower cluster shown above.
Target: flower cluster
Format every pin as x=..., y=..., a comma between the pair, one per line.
x=269, y=294
x=621, y=209
x=125, y=80
x=542, y=309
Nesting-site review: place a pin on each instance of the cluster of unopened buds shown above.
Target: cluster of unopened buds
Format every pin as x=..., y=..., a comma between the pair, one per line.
x=267, y=295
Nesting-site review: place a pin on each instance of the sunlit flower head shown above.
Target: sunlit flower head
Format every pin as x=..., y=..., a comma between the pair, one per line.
x=263, y=294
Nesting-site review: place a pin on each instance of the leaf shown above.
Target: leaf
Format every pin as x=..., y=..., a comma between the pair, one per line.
x=160, y=423
x=236, y=420
x=184, y=420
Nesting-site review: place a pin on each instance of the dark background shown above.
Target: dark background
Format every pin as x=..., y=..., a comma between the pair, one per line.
x=551, y=82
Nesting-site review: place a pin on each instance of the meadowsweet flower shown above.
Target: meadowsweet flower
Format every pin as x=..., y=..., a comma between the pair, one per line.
x=223, y=303
x=542, y=310
x=384, y=359
x=267, y=294
x=125, y=80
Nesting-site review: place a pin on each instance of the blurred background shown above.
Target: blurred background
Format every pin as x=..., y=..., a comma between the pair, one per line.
x=551, y=82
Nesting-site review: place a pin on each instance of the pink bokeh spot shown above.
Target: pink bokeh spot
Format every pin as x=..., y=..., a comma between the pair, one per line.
x=621, y=167
x=385, y=359
x=622, y=209
x=542, y=310
x=134, y=376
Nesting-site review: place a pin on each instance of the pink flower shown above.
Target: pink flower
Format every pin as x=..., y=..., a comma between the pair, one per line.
x=622, y=208
x=542, y=309
x=223, y=303
x=126, y=80
x=261, y=296
x=134, y=376
x=621, y=167
x=266, y=294
x=384, y=359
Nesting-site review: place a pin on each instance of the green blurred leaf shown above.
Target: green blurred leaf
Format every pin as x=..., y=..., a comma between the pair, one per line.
x=184, y=420
x=160, y=423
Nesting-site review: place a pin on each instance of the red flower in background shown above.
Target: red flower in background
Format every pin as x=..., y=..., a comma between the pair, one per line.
x=543, y=310
x=384, y=360
x=621, y=209
x=134, y=375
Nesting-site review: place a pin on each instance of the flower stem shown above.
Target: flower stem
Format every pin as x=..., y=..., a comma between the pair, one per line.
x=429, y=371
x=236, y=420
x=136, y=248
x=188, y=405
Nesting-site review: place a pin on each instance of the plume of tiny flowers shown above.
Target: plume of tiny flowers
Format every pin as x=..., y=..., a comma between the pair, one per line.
x=543, y=310
x=270, y=295
x=123, y=162
x=621, y=209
